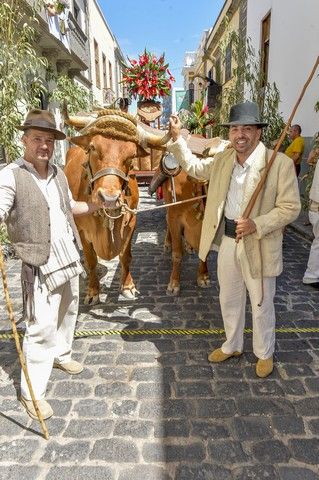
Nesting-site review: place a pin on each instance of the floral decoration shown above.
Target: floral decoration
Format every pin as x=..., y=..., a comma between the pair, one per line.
x=197, y=118
x=148, y=77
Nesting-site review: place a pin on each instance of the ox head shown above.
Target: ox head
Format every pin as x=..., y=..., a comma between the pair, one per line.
x=111, y=139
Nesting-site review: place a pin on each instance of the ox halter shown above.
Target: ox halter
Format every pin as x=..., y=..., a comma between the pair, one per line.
x=123, y=209
x=108, y=171
x=103, y=173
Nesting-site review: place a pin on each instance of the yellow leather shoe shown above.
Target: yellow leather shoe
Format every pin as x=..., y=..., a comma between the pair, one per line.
x=264, y=367
x=72, y=367
x=218, y=355
x=44, y=407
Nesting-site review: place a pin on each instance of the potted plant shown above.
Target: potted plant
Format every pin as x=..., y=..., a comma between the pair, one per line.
x=61, y=5
x=197, y=118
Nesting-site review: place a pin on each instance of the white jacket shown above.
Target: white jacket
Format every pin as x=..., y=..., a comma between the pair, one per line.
x=277, y=205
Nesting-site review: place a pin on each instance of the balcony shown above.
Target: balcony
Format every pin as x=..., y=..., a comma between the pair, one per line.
x=73, y=51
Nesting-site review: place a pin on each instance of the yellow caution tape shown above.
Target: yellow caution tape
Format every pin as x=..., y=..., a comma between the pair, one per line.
x=161, y=331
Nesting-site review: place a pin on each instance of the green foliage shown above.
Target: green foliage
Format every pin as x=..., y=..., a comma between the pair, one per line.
x=19, y=63
x=77, y=97
x=197, y=118
x=249, y=83
x=4, y=240
x=274, y=118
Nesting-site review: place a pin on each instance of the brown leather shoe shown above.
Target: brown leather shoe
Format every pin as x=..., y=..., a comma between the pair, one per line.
x=218, y=355
x=264, y=367
x=72, y=367
x=44, y=407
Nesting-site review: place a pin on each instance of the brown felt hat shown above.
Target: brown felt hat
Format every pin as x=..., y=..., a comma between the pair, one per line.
x=42, y=120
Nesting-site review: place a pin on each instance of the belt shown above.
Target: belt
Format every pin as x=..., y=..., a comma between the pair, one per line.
x=230, y=228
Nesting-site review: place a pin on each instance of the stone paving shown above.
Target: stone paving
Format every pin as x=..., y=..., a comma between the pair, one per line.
x=151, y=407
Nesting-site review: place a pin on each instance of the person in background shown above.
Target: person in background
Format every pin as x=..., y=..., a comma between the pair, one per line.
x=124, y=104
x=38, y=208
x=250, y=249
x=311, y=275
x=296, y=148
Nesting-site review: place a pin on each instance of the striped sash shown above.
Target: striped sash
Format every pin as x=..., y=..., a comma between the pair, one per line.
x=63, y=264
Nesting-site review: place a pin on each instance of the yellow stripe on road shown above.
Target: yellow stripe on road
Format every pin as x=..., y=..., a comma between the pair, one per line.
x=178, y=331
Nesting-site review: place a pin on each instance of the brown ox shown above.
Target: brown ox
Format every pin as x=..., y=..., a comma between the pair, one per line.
x=98, y=170
x=184, y=222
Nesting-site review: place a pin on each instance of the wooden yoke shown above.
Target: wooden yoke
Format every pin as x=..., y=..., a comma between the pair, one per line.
x=262, y=181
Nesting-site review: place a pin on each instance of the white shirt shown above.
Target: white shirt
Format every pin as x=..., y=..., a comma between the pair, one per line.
x=237, y=186
x=60, y=227
x=314, y=191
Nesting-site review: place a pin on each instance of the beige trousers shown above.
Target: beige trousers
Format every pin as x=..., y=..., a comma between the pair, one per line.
x=235, y=280
x=49, y=338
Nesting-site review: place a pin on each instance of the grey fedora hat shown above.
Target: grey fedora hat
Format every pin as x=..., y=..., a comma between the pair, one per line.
x=42, y=120
x=245, y=113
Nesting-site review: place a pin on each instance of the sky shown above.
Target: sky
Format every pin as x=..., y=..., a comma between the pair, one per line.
x=170, y=26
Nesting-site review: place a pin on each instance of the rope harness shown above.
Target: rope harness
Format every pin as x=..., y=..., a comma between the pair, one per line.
x=110, y=215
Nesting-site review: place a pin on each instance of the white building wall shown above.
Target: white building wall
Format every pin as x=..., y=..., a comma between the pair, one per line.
x=101, y=33
x=294, y=41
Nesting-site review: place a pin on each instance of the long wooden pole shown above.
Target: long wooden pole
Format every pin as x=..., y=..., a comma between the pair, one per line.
x=262, y=181
x=18, y=346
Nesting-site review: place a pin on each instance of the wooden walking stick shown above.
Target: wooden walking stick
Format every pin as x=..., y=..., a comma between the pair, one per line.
x=18, y=346
x=262, y=181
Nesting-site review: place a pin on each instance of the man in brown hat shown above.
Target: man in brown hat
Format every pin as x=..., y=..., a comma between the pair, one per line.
x=250, y=250
x=38, y=208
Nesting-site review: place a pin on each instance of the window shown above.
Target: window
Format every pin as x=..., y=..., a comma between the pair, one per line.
x=97, y=65
x=110, y=76
x=265, y=40
x=104, y=71
x=218, y=71
x=228, y=72
x=191, y=93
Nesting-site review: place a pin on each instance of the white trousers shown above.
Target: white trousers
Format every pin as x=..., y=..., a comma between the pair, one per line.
x=49, y=338
x=235, y=279
x=312, y=271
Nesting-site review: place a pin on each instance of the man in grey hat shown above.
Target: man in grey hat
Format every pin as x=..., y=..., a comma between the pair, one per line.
x=38, y=208
x=249, y=249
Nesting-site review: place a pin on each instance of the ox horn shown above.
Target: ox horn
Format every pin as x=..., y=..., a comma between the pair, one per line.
x=148, y=138
x=79, y=122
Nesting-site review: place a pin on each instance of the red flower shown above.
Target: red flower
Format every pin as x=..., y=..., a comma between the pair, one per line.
x=148, y=77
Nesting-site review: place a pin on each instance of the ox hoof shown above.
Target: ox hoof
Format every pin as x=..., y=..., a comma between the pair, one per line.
x=89, y=300
x=203, y=282
x=188, y=249
x=172, y=291
x=130, y=293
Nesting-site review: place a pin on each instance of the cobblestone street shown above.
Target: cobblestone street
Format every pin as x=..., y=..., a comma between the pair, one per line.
x=150, y=406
